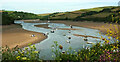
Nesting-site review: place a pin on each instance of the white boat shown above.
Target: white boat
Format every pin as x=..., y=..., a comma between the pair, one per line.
x=67, y=41
x=89, y=42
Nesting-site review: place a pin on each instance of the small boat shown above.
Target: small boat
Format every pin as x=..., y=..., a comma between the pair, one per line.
x=48, y=21
x=32, y=35
x=71, y=26
x=69, y=37
x=68, y=41
x=89, y=42
x=52, y=31
x=85, y=39
x=47, y=33
x=69, y=31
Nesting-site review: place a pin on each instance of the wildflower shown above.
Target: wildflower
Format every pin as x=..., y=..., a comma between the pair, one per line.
x=114, y=59
x=17, y=57
x=89, y=53
x=22, y=51
x=29, y=44
x=21, y=54
x=113, y=36
x=60, y=59
x=102, y=26
x=109, y=37
x=113, y=50
x=116, y=37
x=35, y=51
x=33, y=45
x=60, y=46
x=26, y=48
x=24, y=58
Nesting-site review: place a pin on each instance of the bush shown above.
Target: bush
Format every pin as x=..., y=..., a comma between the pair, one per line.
x=28, y=53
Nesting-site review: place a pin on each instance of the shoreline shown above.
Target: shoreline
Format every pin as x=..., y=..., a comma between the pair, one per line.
x=13, y=35
x=91, y=25
x=19, y=31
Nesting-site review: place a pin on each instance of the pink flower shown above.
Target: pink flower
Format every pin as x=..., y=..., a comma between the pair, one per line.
x=114, y=59
x=104, y=59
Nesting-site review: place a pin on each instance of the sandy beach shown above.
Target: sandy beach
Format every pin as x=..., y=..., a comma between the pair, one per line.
x=13, y=35
x=103, y=27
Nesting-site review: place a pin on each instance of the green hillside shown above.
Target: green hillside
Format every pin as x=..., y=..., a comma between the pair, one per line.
x=8, y=17
x=98, y=14
x=92, y=14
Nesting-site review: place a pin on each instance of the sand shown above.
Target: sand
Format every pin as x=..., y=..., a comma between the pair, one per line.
x=86, y=36
x=46, y=26
x=93, y=25
x=13, y=35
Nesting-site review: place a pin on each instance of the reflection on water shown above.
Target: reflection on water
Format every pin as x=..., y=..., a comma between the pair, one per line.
x=61, y=36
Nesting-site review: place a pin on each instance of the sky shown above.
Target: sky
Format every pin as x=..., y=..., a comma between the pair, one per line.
x=51, y=6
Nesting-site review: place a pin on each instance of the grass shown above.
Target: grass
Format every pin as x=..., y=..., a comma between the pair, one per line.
x=74, y=14
x=98, y=15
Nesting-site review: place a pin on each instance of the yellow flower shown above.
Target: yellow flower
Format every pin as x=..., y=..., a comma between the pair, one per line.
x=117, y=37
x=17, y=57
x=21, y=54
x=110, y=34
x=109, y=37
x=117, y=41
x=29, y=44
x=79, y=54
x=22, y=51
x=24, y=58
x=111, y=48
x=35, y=51
x=102, y=26
x=108, y=55
x=33, y=45
x=26, y=48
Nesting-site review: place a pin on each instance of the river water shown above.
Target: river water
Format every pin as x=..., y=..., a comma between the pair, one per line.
x=75, y=42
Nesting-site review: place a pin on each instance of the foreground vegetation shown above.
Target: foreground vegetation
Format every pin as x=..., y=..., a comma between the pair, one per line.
x=28, y=53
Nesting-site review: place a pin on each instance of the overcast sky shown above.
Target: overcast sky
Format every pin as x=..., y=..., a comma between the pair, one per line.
x=50, y=6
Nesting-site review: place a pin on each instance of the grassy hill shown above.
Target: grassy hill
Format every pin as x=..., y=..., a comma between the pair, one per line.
x=92, y=14
x=8, y=17
x=98, y=14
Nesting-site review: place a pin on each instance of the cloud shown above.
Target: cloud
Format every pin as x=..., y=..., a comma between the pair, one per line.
x=47, y=6
x=39, y=1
